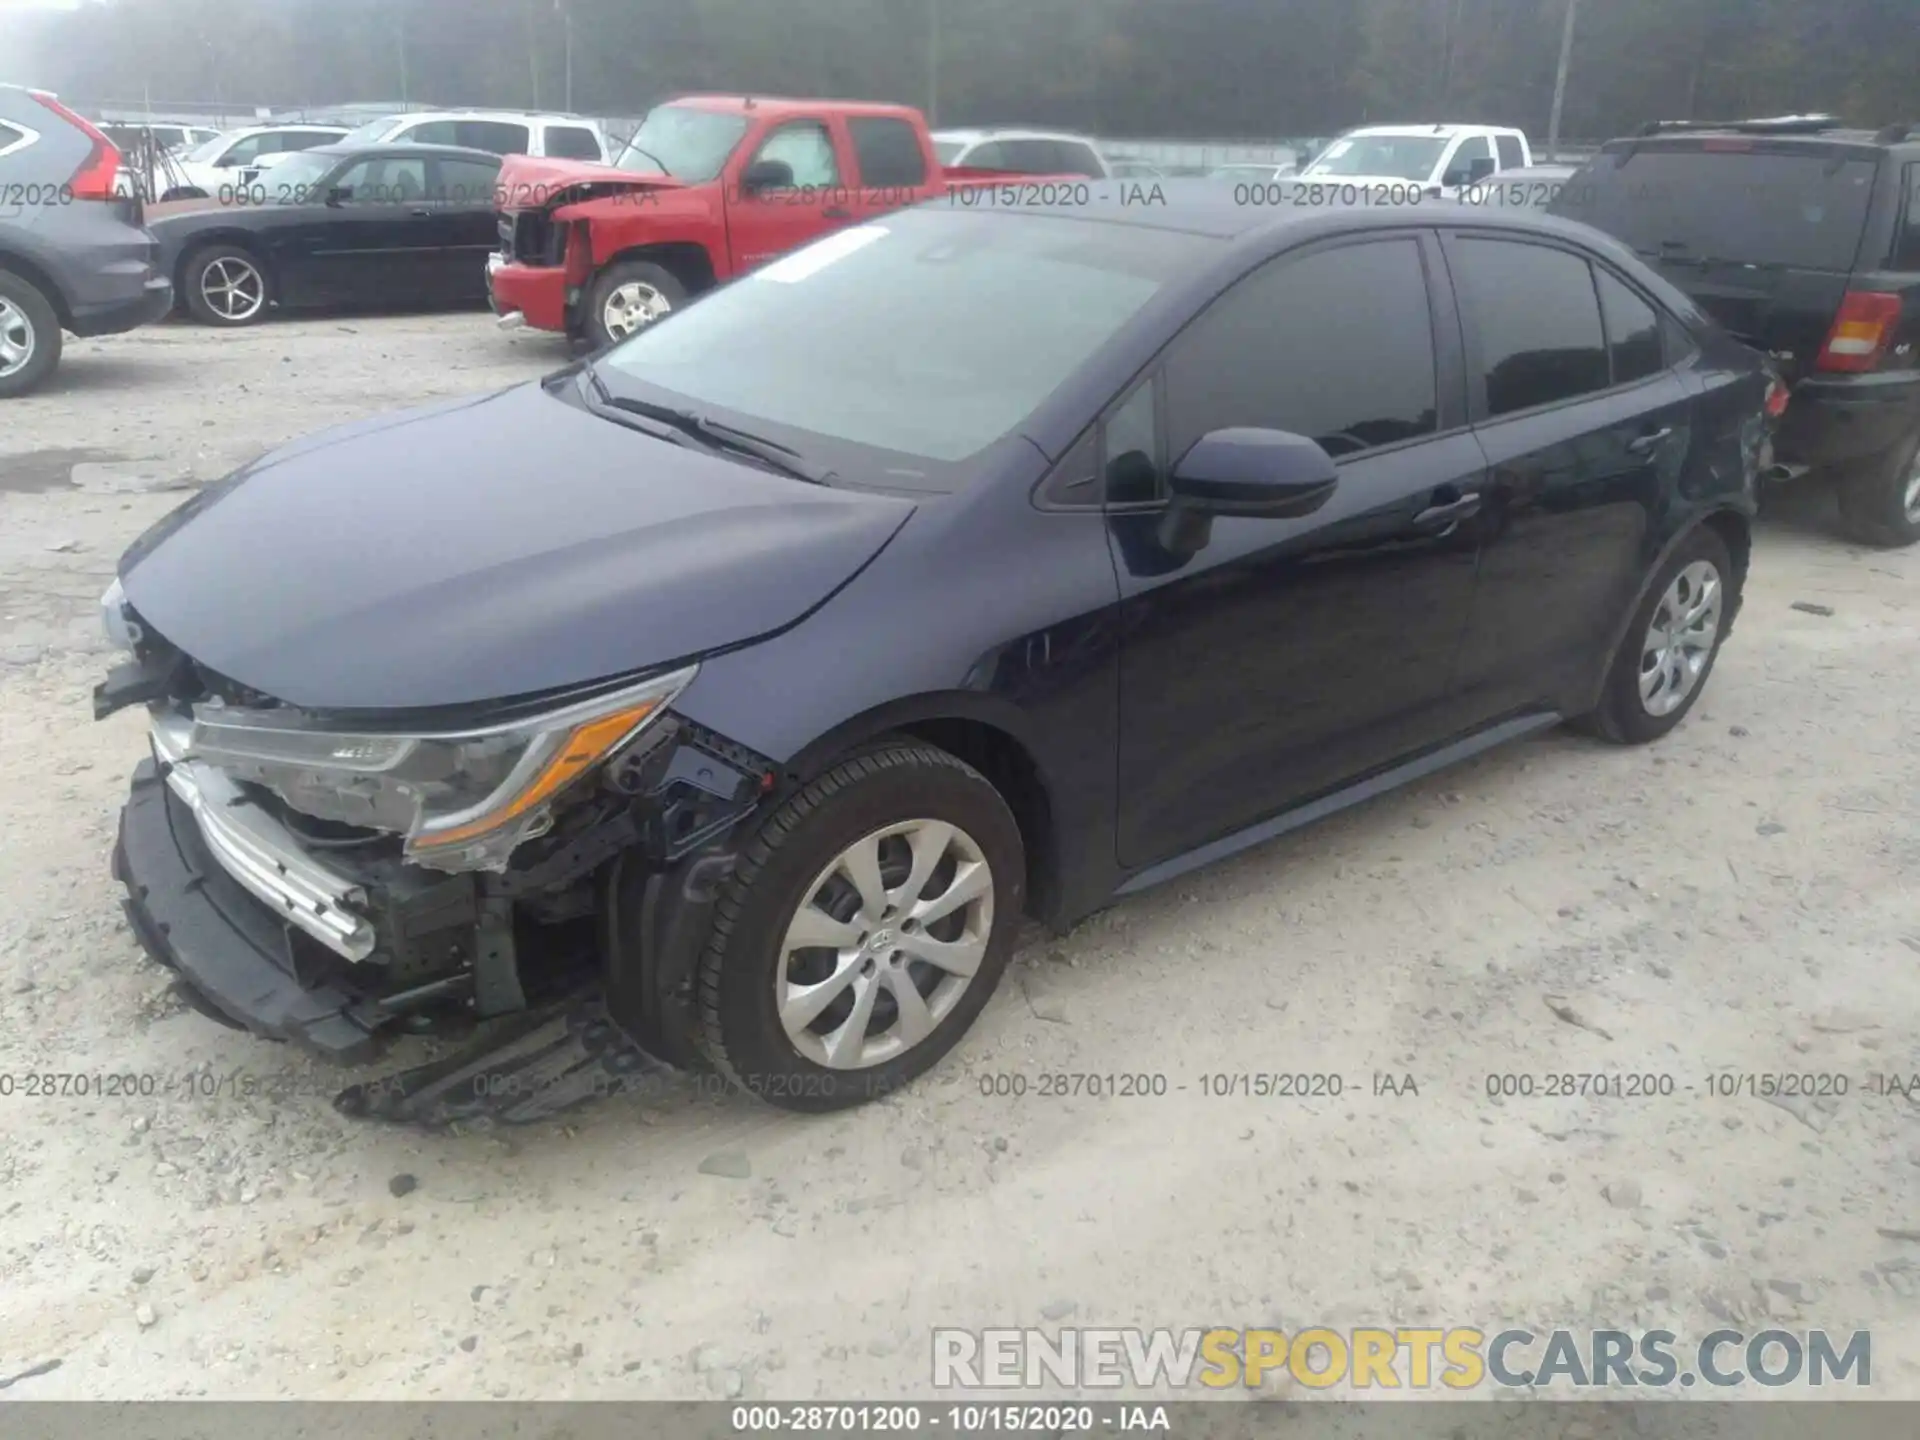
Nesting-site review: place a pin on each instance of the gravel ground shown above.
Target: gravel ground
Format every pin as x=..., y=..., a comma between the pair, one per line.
x=1740, y=898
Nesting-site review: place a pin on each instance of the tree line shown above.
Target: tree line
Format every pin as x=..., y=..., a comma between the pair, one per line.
x=1162, y=68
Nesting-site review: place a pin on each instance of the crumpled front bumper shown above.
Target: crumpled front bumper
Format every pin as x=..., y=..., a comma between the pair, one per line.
x=195, y=916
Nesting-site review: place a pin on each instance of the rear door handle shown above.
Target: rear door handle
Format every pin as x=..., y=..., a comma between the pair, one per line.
x=1647, y=444
x=421, y=214
x=836, y=212
x=1453, y=511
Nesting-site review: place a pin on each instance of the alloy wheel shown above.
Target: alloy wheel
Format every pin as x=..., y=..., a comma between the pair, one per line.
x=632, y=306
x=1680, y=638
x=233, y=289
x=1910, y=498
x=16, y=338
x=885, y=942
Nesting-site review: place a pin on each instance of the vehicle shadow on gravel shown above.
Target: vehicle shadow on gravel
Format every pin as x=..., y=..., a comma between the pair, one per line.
x=81, y=374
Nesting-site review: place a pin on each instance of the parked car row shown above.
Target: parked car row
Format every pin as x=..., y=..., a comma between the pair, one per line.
x=1801, y=237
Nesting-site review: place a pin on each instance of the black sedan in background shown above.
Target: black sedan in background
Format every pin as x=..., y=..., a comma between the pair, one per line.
x=961, y=566
x=367, y=225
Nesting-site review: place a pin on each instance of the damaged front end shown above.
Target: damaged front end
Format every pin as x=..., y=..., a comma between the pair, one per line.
x=332, y=879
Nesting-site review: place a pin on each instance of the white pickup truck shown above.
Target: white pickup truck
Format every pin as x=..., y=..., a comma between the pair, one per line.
x=1441, y=159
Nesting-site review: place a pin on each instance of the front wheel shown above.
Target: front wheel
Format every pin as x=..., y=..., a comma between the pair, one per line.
x=1880, y=502
x=626, y=298
x=863, y=930
x=1669, y=649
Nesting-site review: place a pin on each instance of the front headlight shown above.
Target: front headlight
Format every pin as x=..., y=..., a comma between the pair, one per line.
x=464, y=800
x=116, y=620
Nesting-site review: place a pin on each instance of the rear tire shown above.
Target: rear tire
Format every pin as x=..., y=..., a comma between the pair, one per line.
x=821, y=1027
x=227, y=286
x=1880, y=501
x=627, y=297
x=30, y=336
x=1662, y=666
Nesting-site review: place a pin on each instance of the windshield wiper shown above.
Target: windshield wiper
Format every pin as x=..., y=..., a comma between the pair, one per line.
x=715, y=434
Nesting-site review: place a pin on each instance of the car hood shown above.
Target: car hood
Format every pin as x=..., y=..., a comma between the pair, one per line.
x=530, y=182
x=489, y=549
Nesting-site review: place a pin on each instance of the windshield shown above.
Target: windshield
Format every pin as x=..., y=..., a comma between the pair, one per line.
x=691, y=144
x=371, y=133
x=293, y=178
x=207, y=151
x=1399, y=157
x=948, y=151
x=930, y=334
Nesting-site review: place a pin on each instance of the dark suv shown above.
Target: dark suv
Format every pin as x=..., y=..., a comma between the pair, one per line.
x=1803, y=239
x=962, y=565
x=73, y=255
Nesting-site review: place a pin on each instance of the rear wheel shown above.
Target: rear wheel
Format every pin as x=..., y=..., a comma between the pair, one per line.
x=1663, y=663
x=226, y=286
x=863, y=930
x=1880, y=502
x=627, y=297
x=29, y=335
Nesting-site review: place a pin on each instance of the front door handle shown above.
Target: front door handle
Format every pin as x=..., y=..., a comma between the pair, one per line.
x=1449, y=513
x=1647, y=444
x=836, y=212
x=421, y=214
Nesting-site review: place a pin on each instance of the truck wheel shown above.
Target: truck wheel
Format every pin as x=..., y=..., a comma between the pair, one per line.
x=29, y=336
x=626, y=298
x=1880, y=502
x=226, y=286
x=863, y=929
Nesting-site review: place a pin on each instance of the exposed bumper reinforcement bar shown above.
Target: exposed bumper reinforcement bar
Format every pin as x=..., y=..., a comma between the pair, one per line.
x=256, y=850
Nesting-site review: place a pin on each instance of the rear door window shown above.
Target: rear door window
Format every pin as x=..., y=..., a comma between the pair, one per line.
x=888, y=150
x=1804, y=208
x=1537, y=322
x=498, y=136
x=428, y=132
x=1029, y=157
x=572, y=142
x=1073, y=158
x=1511, y=157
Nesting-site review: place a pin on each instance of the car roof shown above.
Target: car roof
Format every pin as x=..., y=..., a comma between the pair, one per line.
x=1894, y=137
x=389, y=151
x=538, y=117
x=1552, y=171
x=781, y=107
x=247, y=130
x=1010, y=132
x=1441, y=131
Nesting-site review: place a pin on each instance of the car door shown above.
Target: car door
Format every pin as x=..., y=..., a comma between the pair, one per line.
x=1585, y=426
x=373, y=240
x=764, y=223
x=1287, y=657
x=464, y=228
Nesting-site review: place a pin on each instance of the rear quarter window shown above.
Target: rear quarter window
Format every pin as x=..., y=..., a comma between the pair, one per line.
x=889, y=151
x=1797, y=208
x=1906, y=244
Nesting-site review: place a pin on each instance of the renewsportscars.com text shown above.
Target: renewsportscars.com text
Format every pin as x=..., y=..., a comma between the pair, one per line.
x=1397, y=1357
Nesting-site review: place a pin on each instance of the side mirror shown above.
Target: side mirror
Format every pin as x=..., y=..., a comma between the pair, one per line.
x=1249, y=472
x=339, y=194
x=1434, y=192
x=767, y=175
x=1479, y=170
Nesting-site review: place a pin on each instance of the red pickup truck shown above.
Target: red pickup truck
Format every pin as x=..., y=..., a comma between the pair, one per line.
x=709, y=187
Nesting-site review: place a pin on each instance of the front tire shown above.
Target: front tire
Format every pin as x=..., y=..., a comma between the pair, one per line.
x=30, y=337
x=627, y=297
x=226, y=286
x=863, y=930
x=1880, y=502
x=1670, y=646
